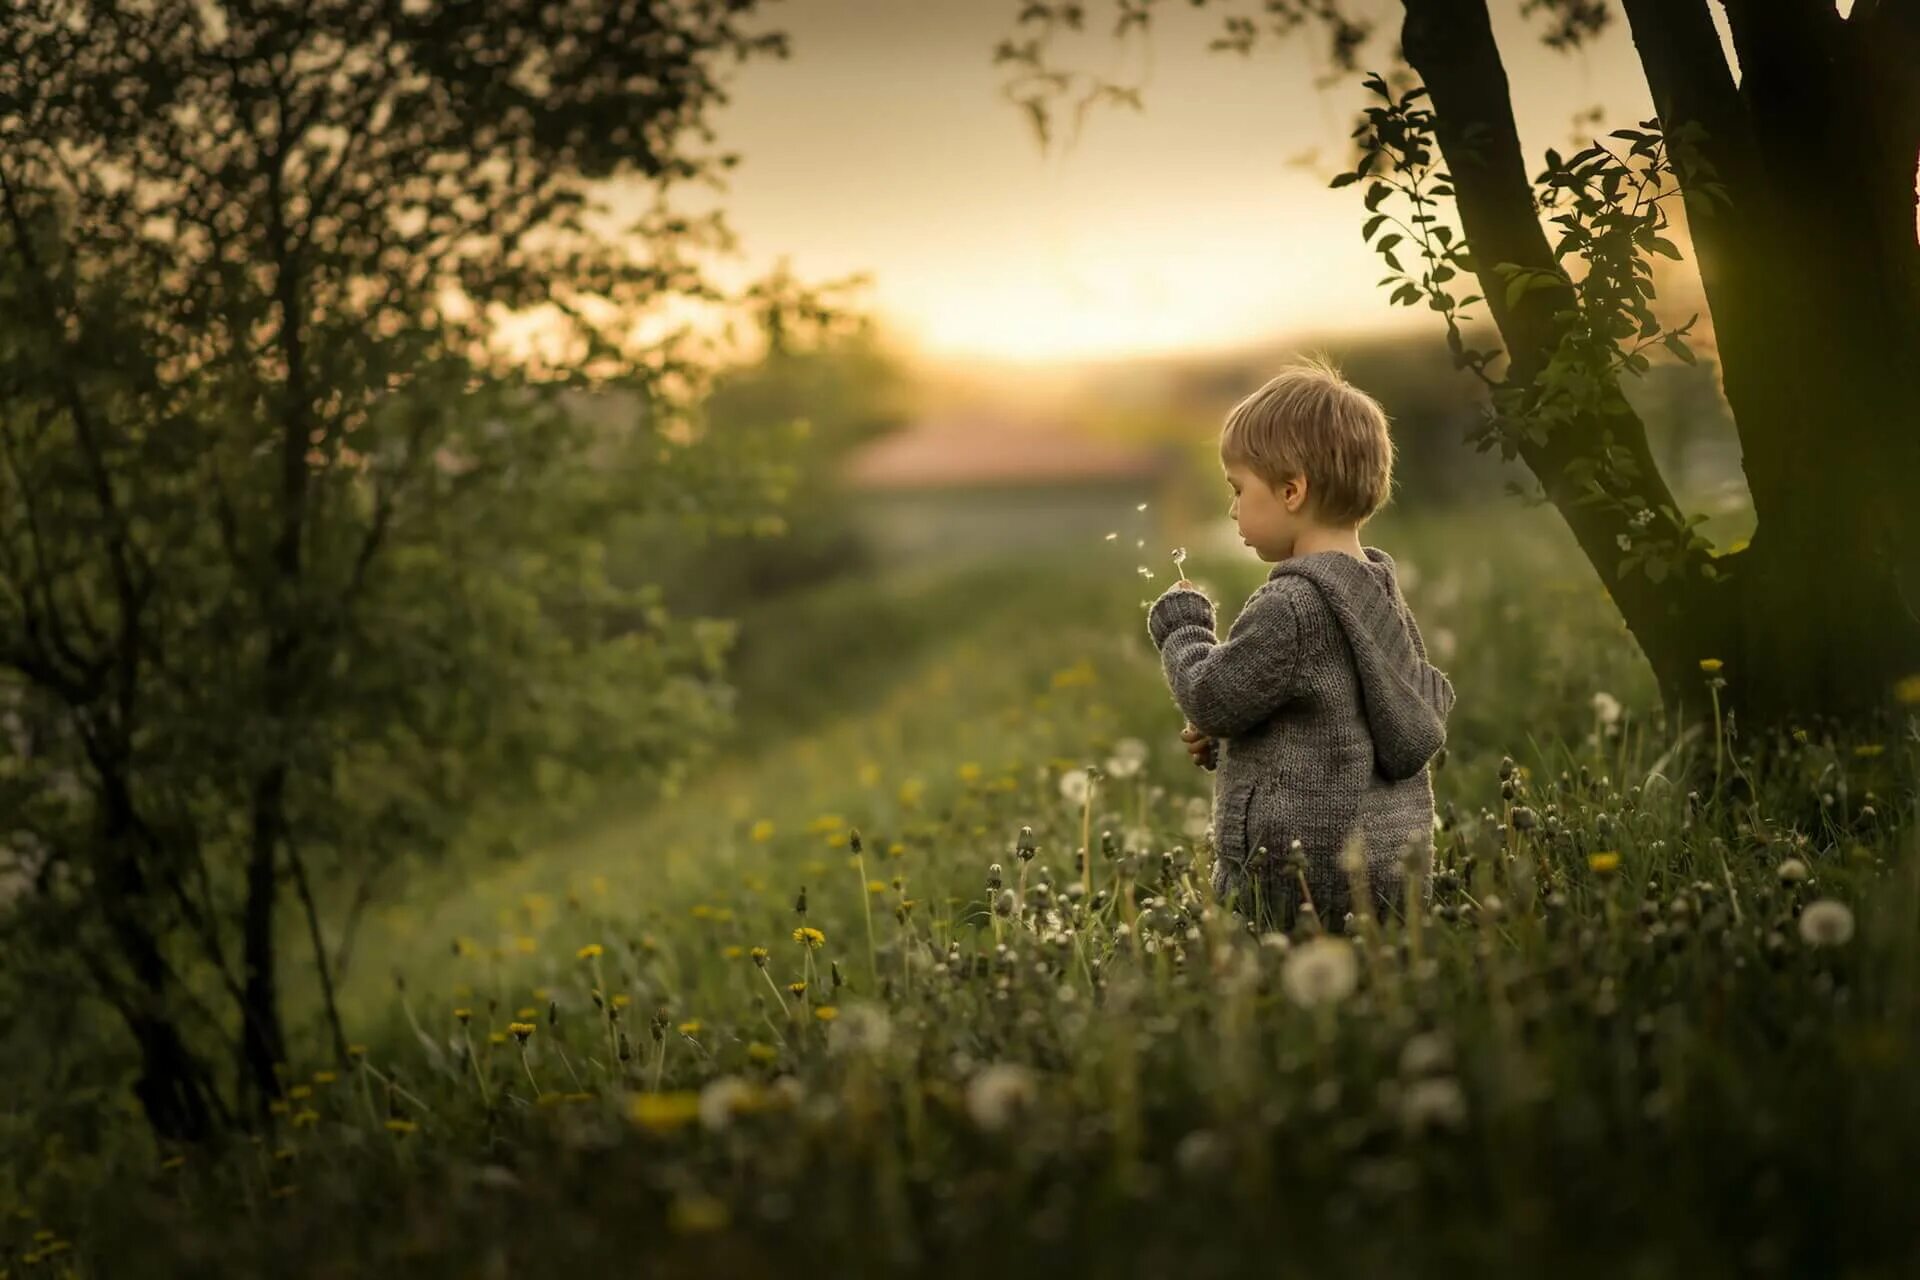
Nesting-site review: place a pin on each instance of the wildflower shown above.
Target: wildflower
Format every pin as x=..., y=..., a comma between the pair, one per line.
x=860, y=1028
x=306, y=1118
x=1603, y=864
x=724, y=1098
x=759, y=955
x=299, y=1091
x=1711, y=665
x=797, y=988
x=524, y=945
x=812, y=937
x=396, y=1125
x=732, y=951
x=356, y=1051
x=1426, y=1054
x=1826, y=923
x=1322, y=971
x=664, y=1112
x=591, y=951
x=1606, y=707
x=324, y=1077
x=763, y=1053
x=896, y=850
x=691, y=1027
x=762, y=831
x=1434, y=1103
x=1907, y=689
x=464, y=1015
x=621, y=1000
x=825, y=1012
x=521, y=1030
x=527, y=1014
x=997, y=1093
x=497, y=1037
x=968, y=772
x=1868, y=749
x=876, y=886
x=1791, y=871
x=697, y=1213
x=1074, y=785
x=1129, y=756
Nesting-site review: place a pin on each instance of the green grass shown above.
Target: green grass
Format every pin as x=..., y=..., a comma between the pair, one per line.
x=1570, y=1063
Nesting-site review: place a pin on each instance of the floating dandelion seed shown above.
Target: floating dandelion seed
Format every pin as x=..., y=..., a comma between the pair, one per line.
x=1141, y=507
x=1180, y=561
x=1826, y=923
x=1145, y=572
x=1115, y=534
x=1139, y=542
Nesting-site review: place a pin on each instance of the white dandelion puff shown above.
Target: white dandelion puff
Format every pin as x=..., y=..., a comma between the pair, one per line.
x=1074, y=784
x=1826, y=923
x=1323, y=971
x=1129, y=756
x=998, y=1093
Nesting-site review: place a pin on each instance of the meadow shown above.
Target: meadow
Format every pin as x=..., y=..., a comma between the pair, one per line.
x=850, y=1001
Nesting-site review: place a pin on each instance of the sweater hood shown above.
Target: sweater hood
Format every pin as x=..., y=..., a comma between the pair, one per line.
x=1406, y=699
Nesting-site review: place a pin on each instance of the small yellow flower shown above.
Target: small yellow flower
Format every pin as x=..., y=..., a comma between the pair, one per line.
x=869, y=773
x=825, y=1012
x=797, y=988
x=521, y=1030
x=1869, y=749
x=732, y=951
x=968, y=772
x=896, y=850
x=497, y=1037
x=701, y=911
x=527, y=1014
x=1603, y=863
x=305, y=1118
x=762, y=1052
x=759, y=955
x=691, y=1027
x=278, y=1108
x=356, y=1051
x=621, y=1000
x=524, y=945
x=397, y=1125
x=697, y=1213
x=876, y=886
x=1907, y=689
x=664, y=1112
x=300, y=1091
x=465, y=1016
x=762, y=831
x=324, y=1077
x=811, y=936
x=1711, y=665
x=590, y=951
x=910, y=791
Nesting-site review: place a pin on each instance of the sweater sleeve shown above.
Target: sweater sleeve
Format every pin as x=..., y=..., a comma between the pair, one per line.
x=1228, y=687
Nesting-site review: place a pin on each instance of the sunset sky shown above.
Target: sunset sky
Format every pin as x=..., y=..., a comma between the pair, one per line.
x=1203, y=222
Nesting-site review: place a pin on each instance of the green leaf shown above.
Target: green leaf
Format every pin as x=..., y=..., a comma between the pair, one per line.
x=1678, y=345
x=1660, y=244
x=1344, y=180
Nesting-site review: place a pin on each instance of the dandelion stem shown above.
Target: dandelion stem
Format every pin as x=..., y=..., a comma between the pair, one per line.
x=529, y=1069
x=866, y=906
x=486, y=1098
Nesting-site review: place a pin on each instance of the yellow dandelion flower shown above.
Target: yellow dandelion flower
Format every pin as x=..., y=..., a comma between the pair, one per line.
x=759, y=955
x=528, y=1014
x=664, y=1112
x=278, y=1107
x=1907, y=689
x=306, y=1118
x=397, y=1125
x=733, y=951
x=968, y=772
x=599, y=886
x=497, y=1037
x=1869, y=749
x=356, y=1051
x=869, y=773
x=691, y=1027
x=590, y=951
x=826, y=823
x=876, y=886
x=697, y=1214
x=324, y=1077
x=521, y=1030
x=300, y=1091
x=797, y=988
x=465, y=1016
x=1711, y=665
x=524, y=945
x=896, y=850
x=762, y=1052
x=910, y=792
x=762, y=831
x=621, y=1000
x=1603, y=863
x=825, y=1012
x=811, y=936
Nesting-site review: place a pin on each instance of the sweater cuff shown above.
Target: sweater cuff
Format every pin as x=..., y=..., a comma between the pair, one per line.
x=1178, y=607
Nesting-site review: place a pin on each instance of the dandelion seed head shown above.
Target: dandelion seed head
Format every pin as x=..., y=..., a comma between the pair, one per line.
x=1826, y=923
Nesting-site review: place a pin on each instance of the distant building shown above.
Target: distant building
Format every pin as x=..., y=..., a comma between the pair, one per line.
x=967, y=483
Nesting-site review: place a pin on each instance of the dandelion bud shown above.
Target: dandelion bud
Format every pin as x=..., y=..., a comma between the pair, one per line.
x=1025, y=847
x=553, y=1013
x=1523, y=818
x=993, y=876
x=800, y=903
x=853, y=839
x=838, y=981
x=1003, y=905
x=1506, y=767
x=626, y=1047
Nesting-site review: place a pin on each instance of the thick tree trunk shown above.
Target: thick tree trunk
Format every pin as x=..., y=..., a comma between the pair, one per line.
x=1810, y=269
x=1810, y=286
x=1675, y=622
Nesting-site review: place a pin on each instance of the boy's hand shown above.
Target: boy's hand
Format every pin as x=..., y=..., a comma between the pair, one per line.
x=1202, y=748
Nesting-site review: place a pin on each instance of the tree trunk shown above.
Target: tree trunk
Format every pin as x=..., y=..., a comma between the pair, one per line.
x=263, y=1044
x=1821, y=613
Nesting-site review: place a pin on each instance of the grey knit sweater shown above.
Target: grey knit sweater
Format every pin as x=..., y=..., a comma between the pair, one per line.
x=1327, y=713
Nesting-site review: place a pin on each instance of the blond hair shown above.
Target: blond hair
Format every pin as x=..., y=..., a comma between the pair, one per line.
x=1309, y=421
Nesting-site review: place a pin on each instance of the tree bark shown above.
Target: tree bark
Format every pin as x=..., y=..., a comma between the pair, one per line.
x=1675, y=622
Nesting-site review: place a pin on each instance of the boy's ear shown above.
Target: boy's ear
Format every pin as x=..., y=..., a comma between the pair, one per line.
x=1293, y=493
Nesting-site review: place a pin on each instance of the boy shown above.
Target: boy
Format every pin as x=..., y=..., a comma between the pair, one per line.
x=1321, y=695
